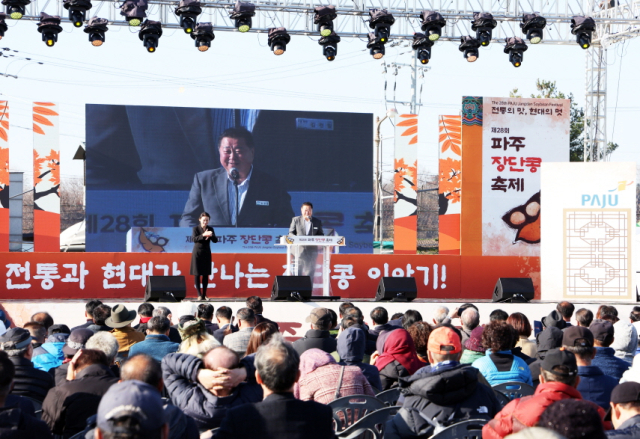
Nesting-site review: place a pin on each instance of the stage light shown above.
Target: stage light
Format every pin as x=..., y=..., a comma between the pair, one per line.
x=203, y=36
x=324, y=19
x=533, y=25
x=483, y=23
x=3, y=25
x=515, y=48
x=150, y=34
x=49, y=27
x=422, y=45
x=77, y=10
x=242, y=13
x=381, y=22
x=583, y=28
x=96, y=29
x=432, y=24
x=278, y=40
x=376, y=48
x=134, y=11
x=16, y=8
x=469, y=46
x=188, y=11
x=330, y=46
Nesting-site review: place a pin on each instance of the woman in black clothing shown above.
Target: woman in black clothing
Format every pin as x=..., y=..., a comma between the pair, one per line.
x=203, y=235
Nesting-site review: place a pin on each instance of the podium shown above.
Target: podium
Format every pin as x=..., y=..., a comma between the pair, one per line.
x=296, y=247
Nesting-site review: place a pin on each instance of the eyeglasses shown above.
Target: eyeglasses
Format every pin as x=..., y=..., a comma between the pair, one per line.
x=236, y=151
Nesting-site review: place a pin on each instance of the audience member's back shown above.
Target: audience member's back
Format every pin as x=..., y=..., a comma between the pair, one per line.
x=351, y=344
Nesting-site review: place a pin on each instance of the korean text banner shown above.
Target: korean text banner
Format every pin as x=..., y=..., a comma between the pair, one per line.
x=162, y=167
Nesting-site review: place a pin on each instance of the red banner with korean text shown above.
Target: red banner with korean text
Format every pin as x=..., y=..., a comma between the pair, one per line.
x=124, y=275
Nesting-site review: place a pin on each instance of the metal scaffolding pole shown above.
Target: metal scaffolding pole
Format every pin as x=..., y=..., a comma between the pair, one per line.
x=595, y=116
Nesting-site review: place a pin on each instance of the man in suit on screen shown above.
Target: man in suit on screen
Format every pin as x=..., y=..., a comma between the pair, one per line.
x=306, y=225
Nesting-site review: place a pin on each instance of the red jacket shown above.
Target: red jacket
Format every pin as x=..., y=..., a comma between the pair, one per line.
x=525, y=412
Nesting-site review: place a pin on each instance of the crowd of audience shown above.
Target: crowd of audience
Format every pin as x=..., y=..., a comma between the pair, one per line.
x=205, y=376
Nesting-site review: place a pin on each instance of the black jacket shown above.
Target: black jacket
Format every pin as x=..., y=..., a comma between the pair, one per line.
x=67, y=406
x=446, y=396
x=210, y=327
x=279, y=416
x=630, y=429
x=315, y=338
x=546, y=340
x=261, y=319
x=15, y=424
x=218, y=334
x=30, y=381
x=85, y=325
x=391, y=373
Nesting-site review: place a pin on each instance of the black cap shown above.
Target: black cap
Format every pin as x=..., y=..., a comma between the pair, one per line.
x=601, y=330
x=577, y=336
x=560, y=357
x=14, y=339
x=626, y=392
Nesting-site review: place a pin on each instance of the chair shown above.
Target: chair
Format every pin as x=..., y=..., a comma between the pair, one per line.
x=349, y=409
x=514, y=390
x=373, y=423
x=37, y=405
x=471, y=429
x=502, y=399
x=389, y=397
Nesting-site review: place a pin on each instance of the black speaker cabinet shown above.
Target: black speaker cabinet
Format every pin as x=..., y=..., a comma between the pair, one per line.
x=165, y=289
x=397, y=289
x=513, y=289
x=292, y=288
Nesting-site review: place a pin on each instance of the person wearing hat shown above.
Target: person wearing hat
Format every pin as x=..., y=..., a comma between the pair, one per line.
x=473, y=348
x=594, y=385
x=546, y=340
x=350, y=348
x=53, y=356
x=625, y=411
x=238, y=341
x=605, y=357
x=120, y=320
x=318, y=336
x=29, y=381
x=444, y=393
x=558, y=380
x=74, y=343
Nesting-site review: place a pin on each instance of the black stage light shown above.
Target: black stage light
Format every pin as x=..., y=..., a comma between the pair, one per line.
x=483, y=23
x=134, y=11
x=3, y=25
x=381, y=22
x=432, y=24
x=324, y=19
x=330, y=45
x=533, y=25
x=77, y=10
x=469, y=46
x=16, y=8
x=150, y=33
x=242, y=13
x=278, y=40
x=583, y=28
x=422, y=45
x=96, y=29
x=49, y=27
x=376, y=49
x=203, y=36
x=188, y=11
x=515, y=48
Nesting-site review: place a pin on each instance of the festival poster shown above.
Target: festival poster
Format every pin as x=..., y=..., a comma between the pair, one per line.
x=405, y=198
x=46, y=177
x=518, y=135
x=449, y=184
x=4, y=176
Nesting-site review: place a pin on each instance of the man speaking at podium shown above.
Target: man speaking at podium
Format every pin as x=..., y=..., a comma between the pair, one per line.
x=306, y=225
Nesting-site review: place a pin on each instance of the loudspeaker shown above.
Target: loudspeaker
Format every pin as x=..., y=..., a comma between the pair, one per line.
x=513, y=289
x=165, y=289
x=397, y=289
x=292, y=288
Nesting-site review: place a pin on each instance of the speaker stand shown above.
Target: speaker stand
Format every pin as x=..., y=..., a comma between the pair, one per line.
x=516, y=298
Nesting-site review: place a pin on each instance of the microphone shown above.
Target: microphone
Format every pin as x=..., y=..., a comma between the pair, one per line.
x=234, y=173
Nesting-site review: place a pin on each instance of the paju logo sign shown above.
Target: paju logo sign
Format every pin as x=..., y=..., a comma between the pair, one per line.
x=604, y=200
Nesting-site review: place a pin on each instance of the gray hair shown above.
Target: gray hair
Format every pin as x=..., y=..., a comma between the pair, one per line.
x=161, y=311
x=158, y=325
x=440, y=314
x=16, y=352
x=277, y=363
x=104, y=341
x=470, y=318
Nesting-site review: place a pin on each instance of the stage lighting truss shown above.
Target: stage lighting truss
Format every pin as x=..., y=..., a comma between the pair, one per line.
x=376, y=48
x=583, y=28
x=330, y=46
x=432, y=24
x=134, y=11
x=515, y=47
x=96, y=29
x=203, y=36
x=381, y=21
x=324, y=19
x=533, y=25
x=77, y=10
x=150, y=34
x=49, y=27
x=3, y=25
x=242, y=13
x=483, y=24
x=422, y=45
x=278, y=40
x=469, y=46
x=16, y=8
x=188, y=11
